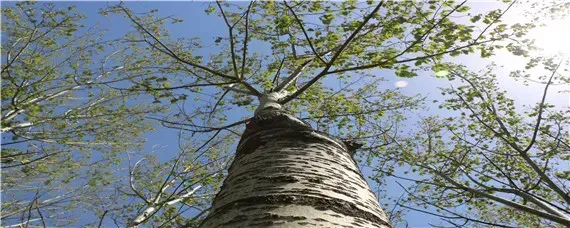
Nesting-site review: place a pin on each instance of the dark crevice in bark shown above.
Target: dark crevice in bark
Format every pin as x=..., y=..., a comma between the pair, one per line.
x=253, y=141
x=336, y=205
x=280, y=179
x=271, y=119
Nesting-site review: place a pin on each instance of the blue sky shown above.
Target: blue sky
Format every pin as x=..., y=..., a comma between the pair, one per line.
x=198, y=24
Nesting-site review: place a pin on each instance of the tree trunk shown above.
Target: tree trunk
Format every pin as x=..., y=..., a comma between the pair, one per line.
x=287, y=174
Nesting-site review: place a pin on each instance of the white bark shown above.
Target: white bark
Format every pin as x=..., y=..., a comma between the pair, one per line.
x=271, y=100
x=287, y=174
x=143, y=216
x=19, y=125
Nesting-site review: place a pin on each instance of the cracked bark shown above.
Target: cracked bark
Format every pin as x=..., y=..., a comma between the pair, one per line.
x=287, y=174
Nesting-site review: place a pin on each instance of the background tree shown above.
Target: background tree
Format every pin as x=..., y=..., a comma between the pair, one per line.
x=492, y=160
x=63, y=124
x=496, y=157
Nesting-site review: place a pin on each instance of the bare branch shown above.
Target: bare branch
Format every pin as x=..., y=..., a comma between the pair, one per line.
x=456, y=215
x=245, y=41
x=335, y=56
x=287, y=82
x=132, y=179
x=40, y=214
x=275, y=81
x=231, y=35
x=304, y=33
x=540, y=111
x=217, y=103
x=204, y=128
x=170, y=52
x=102, y=217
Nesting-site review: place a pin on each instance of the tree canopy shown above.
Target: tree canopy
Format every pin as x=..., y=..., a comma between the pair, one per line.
x=79, y=102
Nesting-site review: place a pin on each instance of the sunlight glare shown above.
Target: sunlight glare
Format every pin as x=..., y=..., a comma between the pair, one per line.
x=554, y=37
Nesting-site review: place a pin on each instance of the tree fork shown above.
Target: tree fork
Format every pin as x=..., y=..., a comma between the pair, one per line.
x=287, y=174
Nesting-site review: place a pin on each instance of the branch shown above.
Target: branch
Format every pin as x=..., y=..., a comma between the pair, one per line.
x=244, y=55
x=304, y=33
x=14, y=112
x=522, y=153
x=180, y=198
x=9, y=61
x=40, y=214
x=456, y=215
x=232, y=48
x=275, y=81
x=541, y=204
x=30, y=40
x=223, y=84
x=206, y=129
x=231, y=88
x=541, y=214
x=131, y=180
x=170, y=53
x=540, y=110
x=143, y=216
x=217, y=103
x=335, y=57
x=156, y=205
x=102, y=217
x=287, y=82
x=472, y=43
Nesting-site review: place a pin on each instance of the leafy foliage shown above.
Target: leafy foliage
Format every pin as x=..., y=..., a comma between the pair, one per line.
x=322, y=58
x=63, y=126
x=492, y=157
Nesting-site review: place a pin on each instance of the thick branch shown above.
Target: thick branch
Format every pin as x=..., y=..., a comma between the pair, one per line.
x=287, y=82
x=145, y=214
x=335, y=57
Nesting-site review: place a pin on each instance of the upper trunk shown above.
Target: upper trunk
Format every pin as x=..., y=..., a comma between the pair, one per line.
x=287, y=174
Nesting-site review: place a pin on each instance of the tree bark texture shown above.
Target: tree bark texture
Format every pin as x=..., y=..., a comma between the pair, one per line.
x=285, y=174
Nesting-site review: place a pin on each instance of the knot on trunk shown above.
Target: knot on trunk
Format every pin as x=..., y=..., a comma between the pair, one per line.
x=270, y=118
x=352, y=145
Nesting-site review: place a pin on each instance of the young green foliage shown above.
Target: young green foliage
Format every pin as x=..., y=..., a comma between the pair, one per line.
x=63, y=125
x=318, y=54
x=494, y=157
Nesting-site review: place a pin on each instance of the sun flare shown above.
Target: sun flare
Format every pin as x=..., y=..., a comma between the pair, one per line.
x=554, y=37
